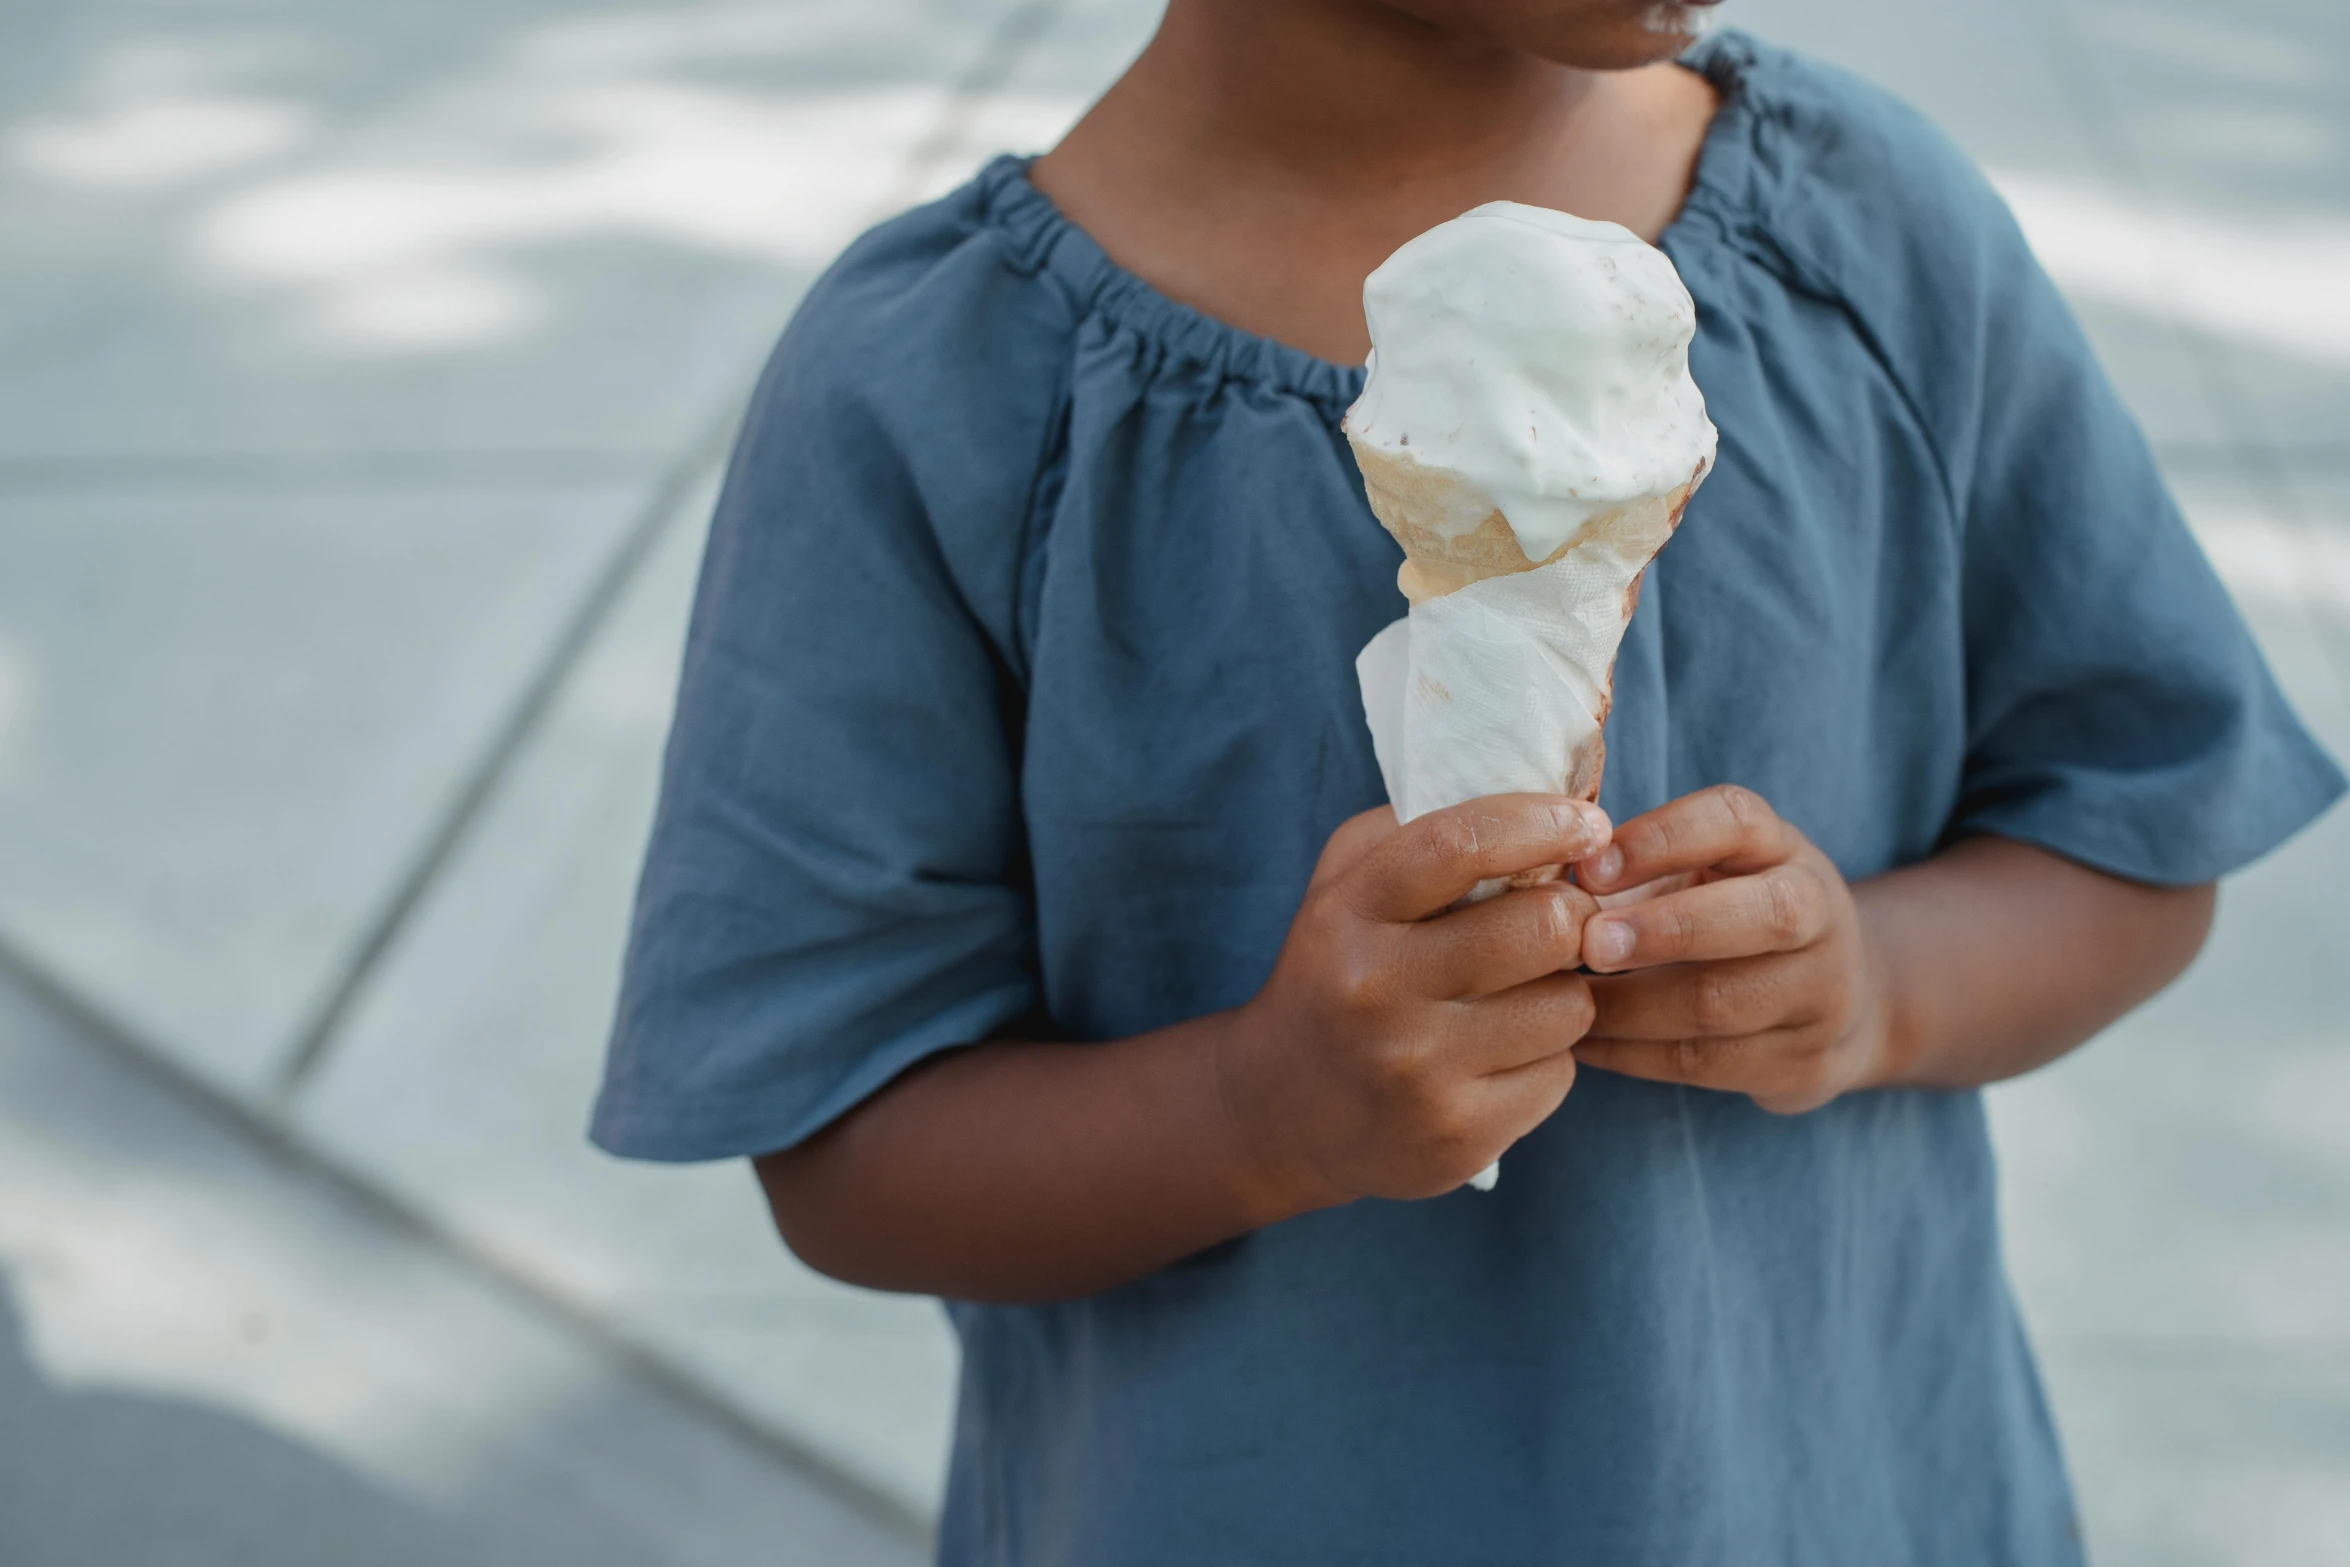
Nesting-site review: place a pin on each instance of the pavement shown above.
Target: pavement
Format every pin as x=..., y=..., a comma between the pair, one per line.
x=363, y=376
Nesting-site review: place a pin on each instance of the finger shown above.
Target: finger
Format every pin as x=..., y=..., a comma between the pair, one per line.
x=1777, y=910
x=1432, y=861
x=1723, y=828
x=1642, y=891
x=1357, y=836
x=1704, y=1000
x=1507, y=940
x=1526, y=1023
x=1748, y=1064
x=1524, y=1097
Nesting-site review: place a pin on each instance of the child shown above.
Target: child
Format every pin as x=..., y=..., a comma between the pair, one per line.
x=1024, y=898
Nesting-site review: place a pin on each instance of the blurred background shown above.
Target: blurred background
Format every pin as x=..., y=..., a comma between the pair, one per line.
x=364, y=373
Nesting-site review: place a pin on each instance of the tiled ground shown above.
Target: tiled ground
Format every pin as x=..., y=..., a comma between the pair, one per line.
x=362, y=375
x=211, y=1352
x=362, y=372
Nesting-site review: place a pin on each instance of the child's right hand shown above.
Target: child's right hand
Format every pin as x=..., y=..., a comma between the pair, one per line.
x=1398, y=1048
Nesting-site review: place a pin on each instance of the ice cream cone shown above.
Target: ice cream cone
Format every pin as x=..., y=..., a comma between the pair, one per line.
x=1417, y=503
x=1529, y=433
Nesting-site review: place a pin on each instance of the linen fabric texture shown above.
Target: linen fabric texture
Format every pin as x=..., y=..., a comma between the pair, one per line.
x=1020, y=696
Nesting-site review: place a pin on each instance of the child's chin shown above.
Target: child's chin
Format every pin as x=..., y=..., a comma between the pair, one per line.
x=1680, y=24
x=1644, y=33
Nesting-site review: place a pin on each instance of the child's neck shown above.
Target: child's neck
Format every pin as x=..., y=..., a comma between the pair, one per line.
x=1258, y=160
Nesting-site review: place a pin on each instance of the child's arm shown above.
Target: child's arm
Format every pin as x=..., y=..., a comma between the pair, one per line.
x=1389, y=1054
x=1392, y=1054
x=1769, y=976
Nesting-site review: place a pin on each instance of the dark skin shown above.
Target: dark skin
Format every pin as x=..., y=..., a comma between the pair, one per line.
x=1260, y=159
x=1256, y=162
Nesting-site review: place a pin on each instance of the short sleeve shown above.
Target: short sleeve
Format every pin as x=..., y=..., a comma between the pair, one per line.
x=2118, y=711
x=833, y=887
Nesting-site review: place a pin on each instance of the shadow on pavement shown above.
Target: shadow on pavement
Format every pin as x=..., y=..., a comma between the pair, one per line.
x=128, y=1479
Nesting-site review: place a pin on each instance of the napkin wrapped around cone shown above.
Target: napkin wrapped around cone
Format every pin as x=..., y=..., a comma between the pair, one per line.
x=1501, y=685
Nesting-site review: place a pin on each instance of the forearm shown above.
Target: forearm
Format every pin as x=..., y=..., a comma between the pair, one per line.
x=1398, y=1046
x=1016, y=1171
x=1996, y=958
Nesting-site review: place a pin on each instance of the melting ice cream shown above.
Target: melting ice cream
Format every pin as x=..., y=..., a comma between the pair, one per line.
x=1529, y=433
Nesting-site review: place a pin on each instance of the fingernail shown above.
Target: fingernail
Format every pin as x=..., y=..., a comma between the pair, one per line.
x=1607, y=941
x=1606, y=865
x=1594, y=819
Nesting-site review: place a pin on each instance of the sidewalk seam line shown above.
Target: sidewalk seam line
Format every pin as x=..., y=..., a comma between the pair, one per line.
x=272, y=1134
x=990, y=70
x=1009, y=41
x=266, y=1119
x=315, y=1039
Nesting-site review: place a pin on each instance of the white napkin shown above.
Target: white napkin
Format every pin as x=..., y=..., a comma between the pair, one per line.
x=1500, y=688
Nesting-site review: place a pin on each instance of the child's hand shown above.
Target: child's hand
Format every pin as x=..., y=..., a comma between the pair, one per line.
x=1753, y=973
x=1397, y=1049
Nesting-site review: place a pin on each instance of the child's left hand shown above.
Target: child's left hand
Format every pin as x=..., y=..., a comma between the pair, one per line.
x=1739, y=959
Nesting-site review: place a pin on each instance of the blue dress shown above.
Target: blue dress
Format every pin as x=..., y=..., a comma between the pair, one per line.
x=1020, y=697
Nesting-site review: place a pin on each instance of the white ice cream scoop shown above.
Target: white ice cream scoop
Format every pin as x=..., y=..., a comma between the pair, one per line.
x=1529, y=378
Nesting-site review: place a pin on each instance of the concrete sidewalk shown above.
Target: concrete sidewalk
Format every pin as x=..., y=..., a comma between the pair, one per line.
x=363, y=375
x=216, y=1347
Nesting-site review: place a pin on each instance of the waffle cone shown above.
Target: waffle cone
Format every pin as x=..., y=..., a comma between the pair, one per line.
x=1423, y=507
